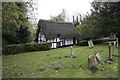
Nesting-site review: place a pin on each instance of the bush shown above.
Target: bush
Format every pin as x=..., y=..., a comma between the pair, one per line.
x=101, y=41
x=83, y=43
x=27, y=47
x=95, y=41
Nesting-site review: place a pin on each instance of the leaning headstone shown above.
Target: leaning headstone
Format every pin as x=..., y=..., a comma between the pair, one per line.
x=92, y=63
x=90, y=43
x=92, y=60
x=110, y=52
x=98, y=58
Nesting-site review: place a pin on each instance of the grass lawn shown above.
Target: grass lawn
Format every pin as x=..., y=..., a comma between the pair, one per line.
x=0, y=66
x=53, y=64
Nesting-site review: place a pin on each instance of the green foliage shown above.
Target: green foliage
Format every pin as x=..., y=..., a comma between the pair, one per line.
x=95, y=41
x=102, y=41
x=75, y=21
x=22, y=35
x=83, y=43
x=14, y=21
x=27, y=47
x=108, y=17
x=103, y=20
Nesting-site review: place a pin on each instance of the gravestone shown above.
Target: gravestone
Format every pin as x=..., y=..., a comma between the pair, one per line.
x=72, y=52
x=98, y=58
x=110, y=52
x=90, y=43
x=92, y=63
x=92, y=60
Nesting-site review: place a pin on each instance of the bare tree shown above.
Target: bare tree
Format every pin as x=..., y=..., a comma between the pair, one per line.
x=59, y=17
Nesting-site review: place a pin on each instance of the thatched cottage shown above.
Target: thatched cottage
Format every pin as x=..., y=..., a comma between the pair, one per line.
x=57, y=32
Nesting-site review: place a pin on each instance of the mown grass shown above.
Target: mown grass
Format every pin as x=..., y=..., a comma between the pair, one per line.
x=0, y=66
x=41, y=64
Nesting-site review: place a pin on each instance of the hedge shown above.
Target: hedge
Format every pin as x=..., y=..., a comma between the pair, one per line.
x=95, y=41
x=27, y=47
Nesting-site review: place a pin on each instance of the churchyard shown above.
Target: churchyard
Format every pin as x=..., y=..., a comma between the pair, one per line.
x=58, y=63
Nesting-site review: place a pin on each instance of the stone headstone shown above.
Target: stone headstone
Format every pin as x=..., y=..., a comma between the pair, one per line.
x=72, y=52
x=92, y=60
x=110, y=52
x=92, y=63
x=98, y=58
x=90, y=43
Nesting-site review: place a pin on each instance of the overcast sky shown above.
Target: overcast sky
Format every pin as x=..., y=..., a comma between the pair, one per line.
x=46, y=8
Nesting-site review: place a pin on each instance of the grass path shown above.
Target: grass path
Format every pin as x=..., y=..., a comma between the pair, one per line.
x=53, y=64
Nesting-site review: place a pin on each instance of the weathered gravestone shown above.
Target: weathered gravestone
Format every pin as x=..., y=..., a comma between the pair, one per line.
x=92, y=63
x=98, y=58
x=90, y=43
x=72, y=52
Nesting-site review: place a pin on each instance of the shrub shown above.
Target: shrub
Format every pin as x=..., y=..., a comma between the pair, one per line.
x=27, y=47
x=101, y=41
x=83, y=43
x=95, y=41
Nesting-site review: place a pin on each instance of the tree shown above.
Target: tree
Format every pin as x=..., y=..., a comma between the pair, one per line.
x=102, y=21
x=22, y=35
x=32, y=7
x=108, y=14
x=86, y=28
x=59, y=17
x=14, y=15
x=76, y=22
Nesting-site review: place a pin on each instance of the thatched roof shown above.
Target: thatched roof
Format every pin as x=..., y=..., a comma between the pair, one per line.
x=52, y=29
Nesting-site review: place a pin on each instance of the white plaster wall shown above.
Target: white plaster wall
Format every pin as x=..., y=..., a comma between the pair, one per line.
x=61, y=44
x=58, y=39
x=76, y=41
x=54, y=45
x=71, y=41
x=68, y=41
x=39, y=38
x=42, y=38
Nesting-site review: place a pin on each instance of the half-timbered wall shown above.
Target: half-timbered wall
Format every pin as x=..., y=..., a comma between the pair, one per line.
x=60, y=42
x=41, y=38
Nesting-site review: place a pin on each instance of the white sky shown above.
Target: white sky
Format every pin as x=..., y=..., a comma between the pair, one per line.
x=46, y=8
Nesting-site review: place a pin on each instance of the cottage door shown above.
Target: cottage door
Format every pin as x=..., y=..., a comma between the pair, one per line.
x=74, y=40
